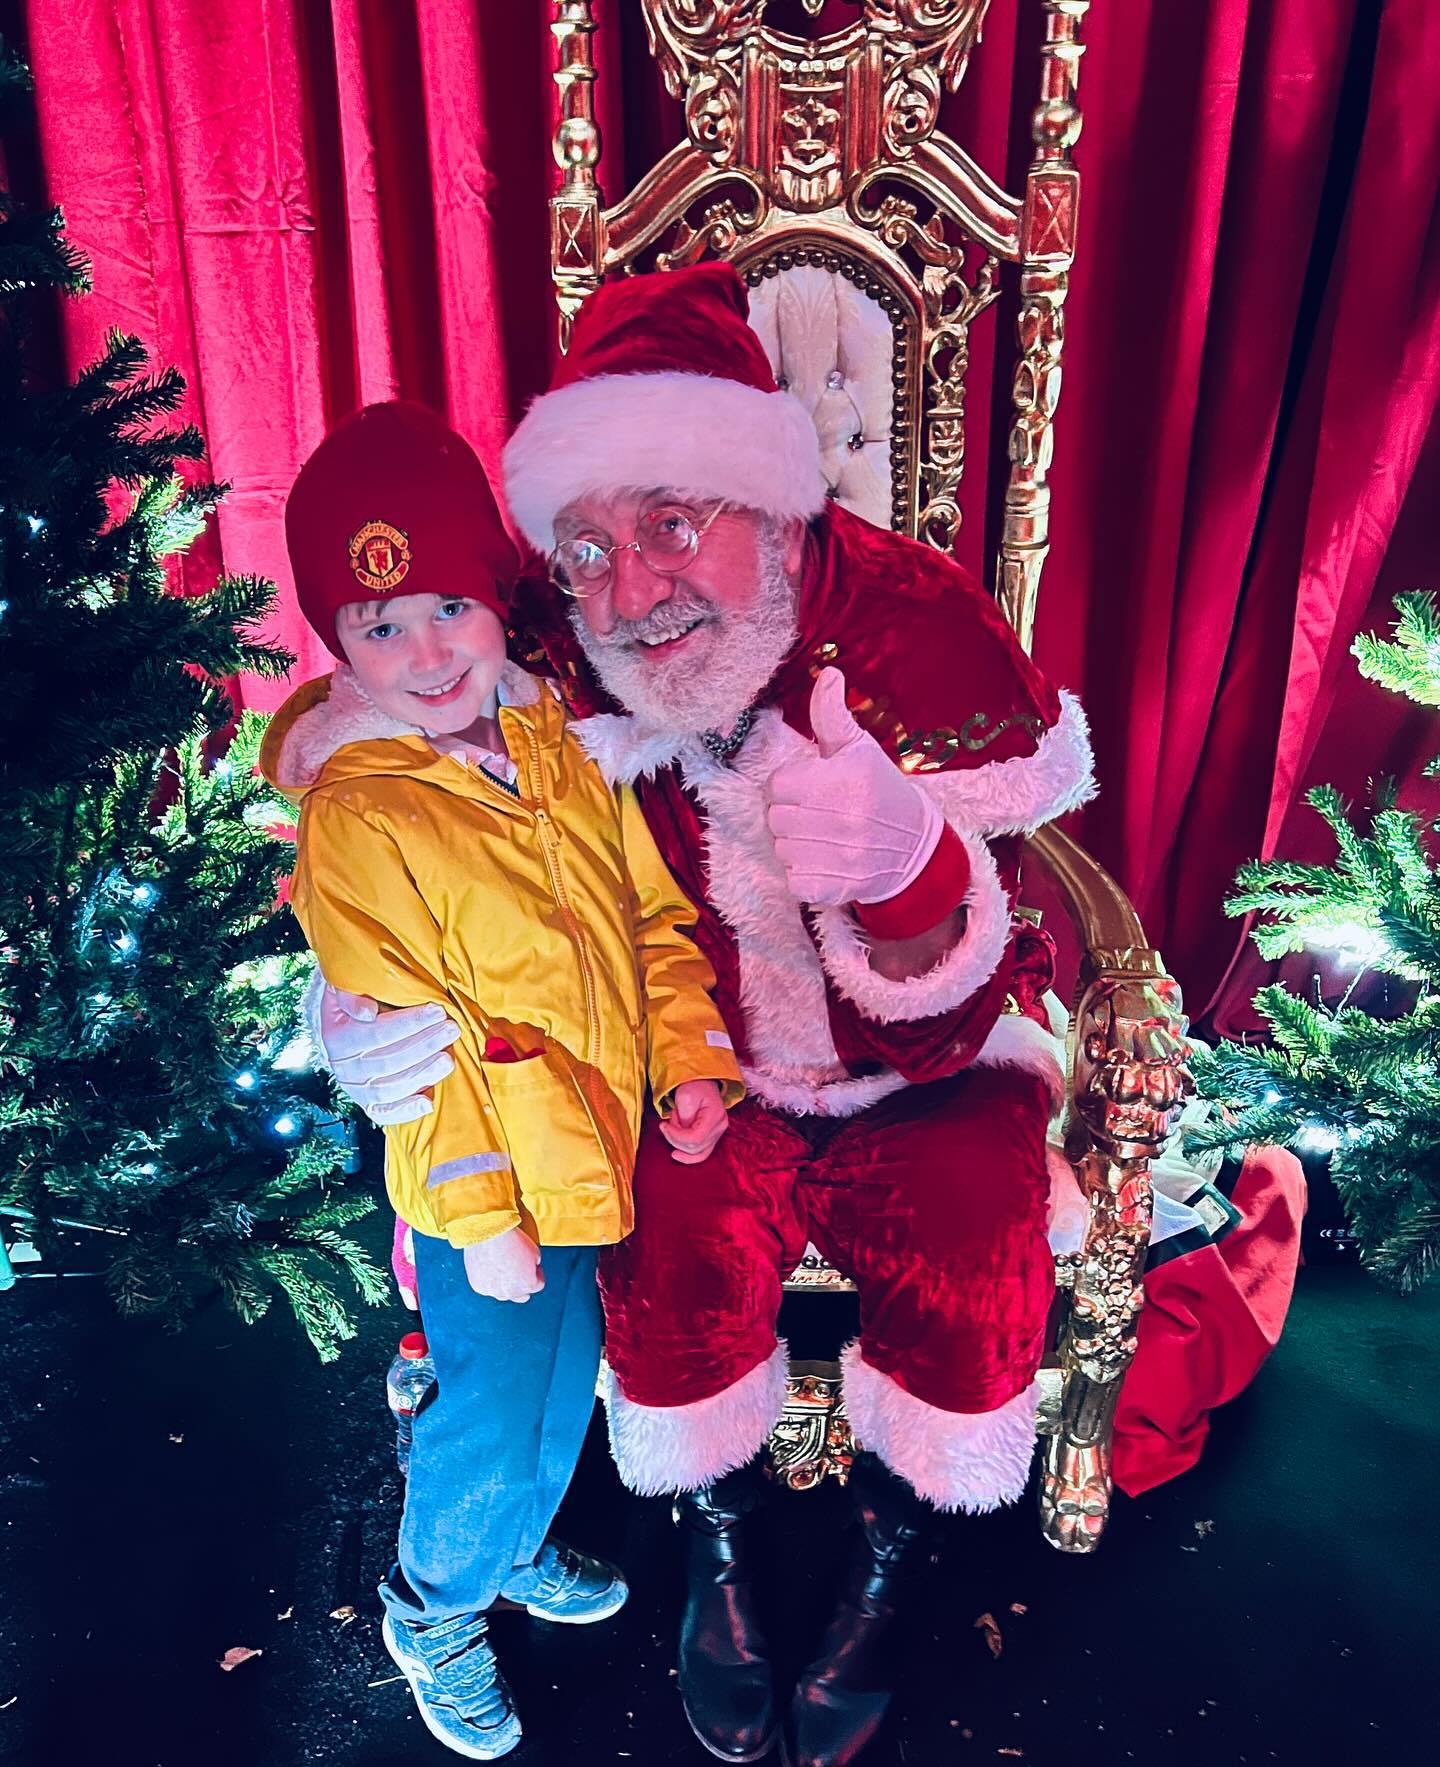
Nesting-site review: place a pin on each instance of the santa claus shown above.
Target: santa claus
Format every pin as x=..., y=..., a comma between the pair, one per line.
x=837, y=743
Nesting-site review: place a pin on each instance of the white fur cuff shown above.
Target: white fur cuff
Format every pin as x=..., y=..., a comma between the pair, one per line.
x=967, y=1461
x=661, y=1449
x=961, y=972
x=1024, y=793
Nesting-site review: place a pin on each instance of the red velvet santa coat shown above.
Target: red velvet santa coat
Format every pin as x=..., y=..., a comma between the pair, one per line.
x=933, y=671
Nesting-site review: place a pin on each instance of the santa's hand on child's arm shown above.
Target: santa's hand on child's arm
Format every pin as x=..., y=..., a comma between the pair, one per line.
x=384, y=1060
x=506, y=1268
x=697, y=1120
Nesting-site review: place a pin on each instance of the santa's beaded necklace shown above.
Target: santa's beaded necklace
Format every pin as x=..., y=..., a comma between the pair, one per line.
x=722, y=748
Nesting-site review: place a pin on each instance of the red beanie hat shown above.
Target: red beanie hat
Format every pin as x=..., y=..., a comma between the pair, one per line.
x=665, y=386
x=393, y=502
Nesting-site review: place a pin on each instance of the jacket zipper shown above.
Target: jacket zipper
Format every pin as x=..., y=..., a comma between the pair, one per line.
x=511, y=791
x=548, y=842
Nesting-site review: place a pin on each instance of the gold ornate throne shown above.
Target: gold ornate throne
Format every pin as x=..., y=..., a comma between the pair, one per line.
x=871, y=243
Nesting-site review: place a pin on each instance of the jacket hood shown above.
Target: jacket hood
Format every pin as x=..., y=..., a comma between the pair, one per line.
x=330, y=728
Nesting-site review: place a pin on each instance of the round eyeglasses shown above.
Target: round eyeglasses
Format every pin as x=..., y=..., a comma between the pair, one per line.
x=666, y=538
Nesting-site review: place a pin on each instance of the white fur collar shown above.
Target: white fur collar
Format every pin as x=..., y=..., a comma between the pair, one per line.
x=624, y=750
x=348, y=714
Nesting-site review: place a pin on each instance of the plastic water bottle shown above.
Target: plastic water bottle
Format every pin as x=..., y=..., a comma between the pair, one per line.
x=410, y=1377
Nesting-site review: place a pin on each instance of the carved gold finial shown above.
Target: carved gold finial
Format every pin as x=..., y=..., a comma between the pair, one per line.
x=577, y=246
x=1052, y=191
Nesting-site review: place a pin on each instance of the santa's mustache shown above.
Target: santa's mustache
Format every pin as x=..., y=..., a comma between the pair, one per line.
x=668, y=619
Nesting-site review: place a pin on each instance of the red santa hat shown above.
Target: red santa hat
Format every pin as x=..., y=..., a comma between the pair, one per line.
x=665, y=386
x=393, y=502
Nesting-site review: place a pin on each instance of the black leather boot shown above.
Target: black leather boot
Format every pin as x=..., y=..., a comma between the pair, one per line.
x=724, y=1661
x=841, y=1698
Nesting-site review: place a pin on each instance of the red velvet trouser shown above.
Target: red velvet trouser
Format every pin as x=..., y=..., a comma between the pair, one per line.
x=934, y=1201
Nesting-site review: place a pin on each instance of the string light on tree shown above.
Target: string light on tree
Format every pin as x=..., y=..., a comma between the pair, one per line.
x=1352, y=942
x=1318, y=1138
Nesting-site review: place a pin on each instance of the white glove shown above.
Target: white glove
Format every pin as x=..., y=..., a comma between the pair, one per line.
x=506, y=1268
x=848, y=825
x=382, y=1060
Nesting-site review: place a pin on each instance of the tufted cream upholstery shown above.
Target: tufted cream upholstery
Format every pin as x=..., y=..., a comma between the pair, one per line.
x=831, y=345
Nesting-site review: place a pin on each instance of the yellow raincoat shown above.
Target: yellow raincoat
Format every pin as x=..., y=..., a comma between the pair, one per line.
x=543, y=916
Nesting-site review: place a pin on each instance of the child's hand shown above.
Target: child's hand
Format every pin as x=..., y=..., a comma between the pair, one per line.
x=697, y=1121
x=506, y=1268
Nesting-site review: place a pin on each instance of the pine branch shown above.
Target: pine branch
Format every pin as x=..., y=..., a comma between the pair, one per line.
x=1410, y=662
x=34, y=254
x=1410, y=1254
x=337, y=1212
x=319, y=1312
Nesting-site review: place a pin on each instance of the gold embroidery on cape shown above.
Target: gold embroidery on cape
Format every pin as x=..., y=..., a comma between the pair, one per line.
x=920, y=751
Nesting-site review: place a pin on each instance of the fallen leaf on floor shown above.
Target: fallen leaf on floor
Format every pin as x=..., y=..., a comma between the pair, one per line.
x=179, y=1438
x=388, y=1681
x=1189, y=1548
x=343, y=1614
x=1204, y=1528
x=237, y=1654
x=993, y=1635
x=10, y=1702
x=286, y=1615
x=1017, y=1753
x=1018, y=1607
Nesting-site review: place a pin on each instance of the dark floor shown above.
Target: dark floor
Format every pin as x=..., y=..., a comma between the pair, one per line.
x=167, y=1498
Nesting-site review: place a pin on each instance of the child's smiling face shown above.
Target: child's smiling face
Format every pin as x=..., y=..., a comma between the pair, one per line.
x=431, y=660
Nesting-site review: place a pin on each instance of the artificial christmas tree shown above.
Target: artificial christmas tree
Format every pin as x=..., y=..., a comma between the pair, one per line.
x=152, y=1081
x=1336, y=1078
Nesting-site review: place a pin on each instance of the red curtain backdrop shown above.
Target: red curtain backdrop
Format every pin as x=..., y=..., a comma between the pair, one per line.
x=307, y=204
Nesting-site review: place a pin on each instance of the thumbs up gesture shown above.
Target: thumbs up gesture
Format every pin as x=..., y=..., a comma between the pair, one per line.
x=848, y=825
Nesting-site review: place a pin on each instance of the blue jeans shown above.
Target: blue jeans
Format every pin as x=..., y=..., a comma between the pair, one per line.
x=498, y=1437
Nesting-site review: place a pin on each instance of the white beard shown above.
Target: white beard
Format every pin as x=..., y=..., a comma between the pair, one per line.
x=709, y=691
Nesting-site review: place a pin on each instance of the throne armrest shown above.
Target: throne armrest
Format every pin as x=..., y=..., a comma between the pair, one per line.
x=1125, y=1089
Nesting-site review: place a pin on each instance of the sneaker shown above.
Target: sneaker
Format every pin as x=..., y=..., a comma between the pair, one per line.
x=574, y=1588
x=457, y=1684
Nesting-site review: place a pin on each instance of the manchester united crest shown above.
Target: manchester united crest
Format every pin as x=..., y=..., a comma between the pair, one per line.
x=379, y=556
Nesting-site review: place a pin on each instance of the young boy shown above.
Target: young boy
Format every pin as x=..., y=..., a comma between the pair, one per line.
x=457, y=849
